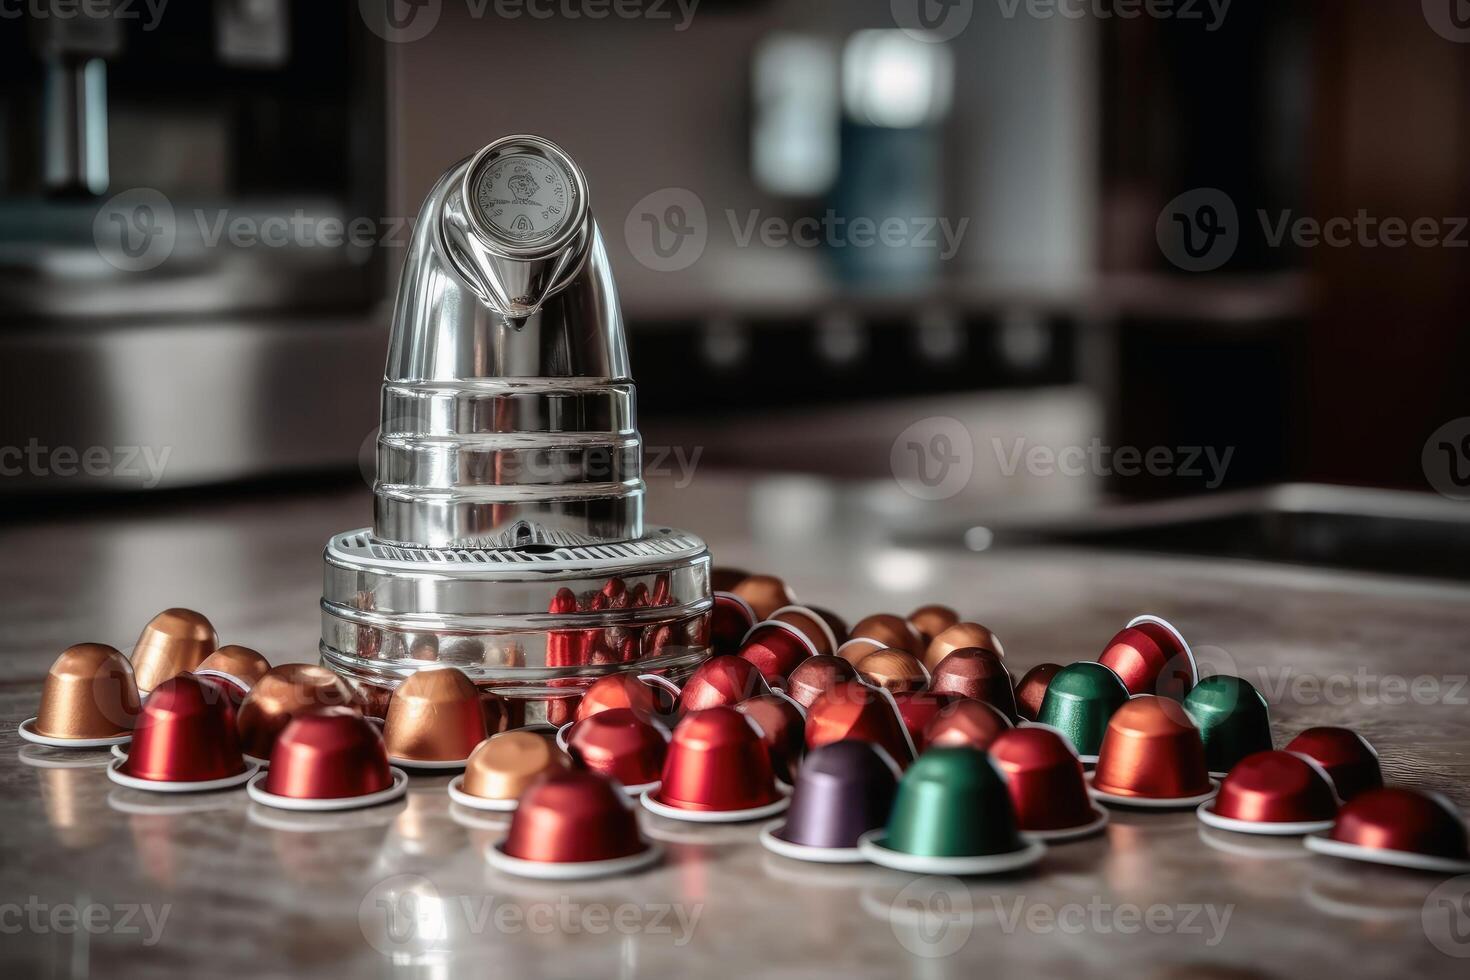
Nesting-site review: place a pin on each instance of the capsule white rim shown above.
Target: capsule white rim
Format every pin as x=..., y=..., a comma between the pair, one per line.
x=257, y=760
x=1380, y=855
x=1151, y=802
x=804, y=852
x=873, y=848
x=572, y=870
x=428, y=763
x=27, y=731
x=257, y=792
x=457, y=794
x=1209, y=817
x=162, y=786
x=1096, y=826
x=661, y=809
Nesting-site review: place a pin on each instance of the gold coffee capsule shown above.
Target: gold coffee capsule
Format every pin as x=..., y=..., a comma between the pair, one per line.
x=174, y=641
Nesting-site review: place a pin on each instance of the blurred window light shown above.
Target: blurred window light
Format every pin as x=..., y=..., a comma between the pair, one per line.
x=892, y=79
x=794, y=143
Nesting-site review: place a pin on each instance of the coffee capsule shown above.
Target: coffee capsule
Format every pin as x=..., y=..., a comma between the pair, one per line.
x=967, y=723
x=1046, y=784
x=1078, y=703
x=502, y=766
x=958, y=637
x=174, y=641
x=893, y=670
x=1232, y=719
x=242, y=663
x=952, y=815
x=855, y=710
x=718, y=770
x=185, y=741
x=814, y=675
x=279, y=695
x=572, y=824
x=621, y=746
x=1398, y=826
x=776, y=649
x=722, y=579
x=916, y=709
x=1152, y=756
x=1151, y=657
x=1031, y=690
x=435, y=719
x=722, y=681
x=783, y=726
x=764, y=593
x=842, y=791
x=639, y=693
x=88, y=700
x=328, y=759
x=1275, y=793
x=893, y=632
x=857, y=648
x=730, y=619
x=1347, y=757
x=822, y=628
x=974, y=672
x=930, y=621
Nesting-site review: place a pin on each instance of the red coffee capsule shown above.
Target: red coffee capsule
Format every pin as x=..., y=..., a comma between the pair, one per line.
x=1151, y=657
x=718, y=770
x=729, y=620
x=1401, y=827
x=776, y=649
x=972, y=672
x=814, y=675
x=638, y=693
x=620, y=745
x=967, y=722
x=855, y=710
x=1152, y=756
x=185, y=740
x=572, y=824
x=1277, y=793
x=782, y=723
x=1031, y=689
x=1046, y=784
x=721, y=682
x=1350, y=762
x=822, y=628
x=916, y=709
x=328, y=759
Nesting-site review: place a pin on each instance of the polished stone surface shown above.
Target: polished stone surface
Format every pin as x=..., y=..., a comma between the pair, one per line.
x=402, y=890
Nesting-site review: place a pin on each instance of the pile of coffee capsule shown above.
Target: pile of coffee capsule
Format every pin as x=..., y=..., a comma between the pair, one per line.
x=900, y=741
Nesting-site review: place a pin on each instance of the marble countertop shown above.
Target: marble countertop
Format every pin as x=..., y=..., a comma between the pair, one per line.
x=96, y=879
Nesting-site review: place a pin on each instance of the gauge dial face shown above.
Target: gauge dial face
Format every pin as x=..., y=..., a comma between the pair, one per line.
x=525, y=198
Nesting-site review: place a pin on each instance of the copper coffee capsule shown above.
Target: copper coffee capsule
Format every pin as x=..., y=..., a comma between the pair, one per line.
x=857, y=648
x=967, y=722
x=814, y=675
x=503, y=766
x=723, y=579
x=973, y=672
x=1152, y=756
x=765, y=593
x=957, y=637
x=282, y=693
x=88, y=700
x=894, y=671
x=930, y=621
x=434, y=719
x=783, y=726
x=1031, y=689
x=241, y=663
x=892, y=631
x=174, y=641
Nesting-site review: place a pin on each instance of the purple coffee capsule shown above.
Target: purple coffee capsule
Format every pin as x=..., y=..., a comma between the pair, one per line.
x=843, y=790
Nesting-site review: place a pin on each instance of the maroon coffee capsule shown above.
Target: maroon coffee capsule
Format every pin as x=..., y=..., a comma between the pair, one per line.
x=185, y=741
x=1152, y=657
x=572, y=824
x=1402, y=827
x=783, y=726
x=722, y=681
x=1349, y=761
x=823, y=628
x=972, y=672
x=620, y=745
x=729, y=620
x=776, y=649
x=718, y=770
x=328, y=759
x=1031, y=689
x=967, y=722
x=917, y=709
x=815, y=675
x=1277, y=793
x=1046, y=784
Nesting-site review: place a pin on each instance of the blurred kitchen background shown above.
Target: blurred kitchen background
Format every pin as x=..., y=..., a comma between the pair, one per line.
x=1085, y=201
